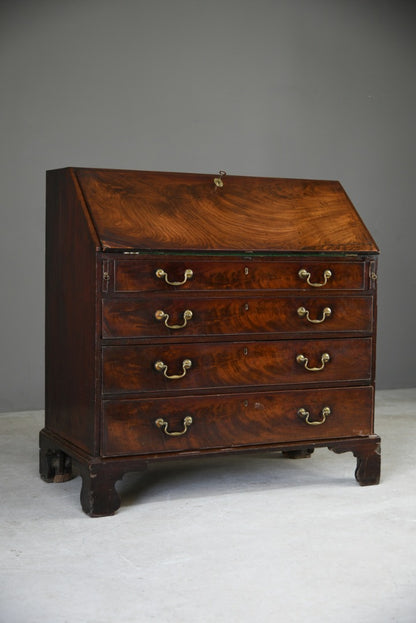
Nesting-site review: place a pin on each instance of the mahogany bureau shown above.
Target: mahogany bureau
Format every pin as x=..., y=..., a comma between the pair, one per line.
x=194, y=315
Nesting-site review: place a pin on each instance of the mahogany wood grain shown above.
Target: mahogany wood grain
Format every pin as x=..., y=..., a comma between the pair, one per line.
x=137, y=275
x=149, y=210
x=239, y=315
x=234, y=420
x=129, y=369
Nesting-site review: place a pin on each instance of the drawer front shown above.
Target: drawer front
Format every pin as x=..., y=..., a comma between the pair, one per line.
x=166, y=274
x=225, y=421
x=186, y=316
x=181, y=367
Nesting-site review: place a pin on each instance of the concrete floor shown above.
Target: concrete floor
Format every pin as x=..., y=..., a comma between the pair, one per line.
x=220, y=540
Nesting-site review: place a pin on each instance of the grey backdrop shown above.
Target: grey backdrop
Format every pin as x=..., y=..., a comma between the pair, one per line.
x=293, y=88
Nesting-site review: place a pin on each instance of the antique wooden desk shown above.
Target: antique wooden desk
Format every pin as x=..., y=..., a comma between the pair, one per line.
x=197, y=315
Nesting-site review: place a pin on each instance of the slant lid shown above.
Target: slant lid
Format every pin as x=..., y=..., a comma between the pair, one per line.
x=193, y=212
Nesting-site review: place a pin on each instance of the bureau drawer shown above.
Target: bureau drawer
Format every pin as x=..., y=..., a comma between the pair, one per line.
x=225, y=421
x=181, y=367
x=161, y=316
x=163, y=274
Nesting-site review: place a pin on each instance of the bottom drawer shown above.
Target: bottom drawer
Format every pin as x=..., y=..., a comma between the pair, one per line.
x=134, y=427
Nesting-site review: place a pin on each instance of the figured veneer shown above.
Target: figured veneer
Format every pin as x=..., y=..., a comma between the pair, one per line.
x=183, y=211
x=251, y=273
x=268, y=314
x=132, y=369
x=221, y=421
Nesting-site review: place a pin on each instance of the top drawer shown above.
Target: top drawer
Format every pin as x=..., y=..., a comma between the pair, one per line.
x=164, y=273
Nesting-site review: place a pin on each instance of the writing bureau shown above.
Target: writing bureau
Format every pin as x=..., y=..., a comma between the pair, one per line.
x=194, y=315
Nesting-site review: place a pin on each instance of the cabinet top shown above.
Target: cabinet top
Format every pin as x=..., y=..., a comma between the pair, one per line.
x=158, y=211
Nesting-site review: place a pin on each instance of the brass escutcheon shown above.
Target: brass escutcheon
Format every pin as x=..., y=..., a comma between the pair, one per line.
x=218, y=181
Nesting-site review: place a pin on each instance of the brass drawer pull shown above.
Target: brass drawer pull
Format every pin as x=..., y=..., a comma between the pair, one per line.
x=325, y=358
x=161, y=423
x=161, y=315
x=162, y=367
x=161, y=274
x=305, y=414
x=327, y=311
x=304, y=274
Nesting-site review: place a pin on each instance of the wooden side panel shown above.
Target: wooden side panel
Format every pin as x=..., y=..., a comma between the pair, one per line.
x=70, y=333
